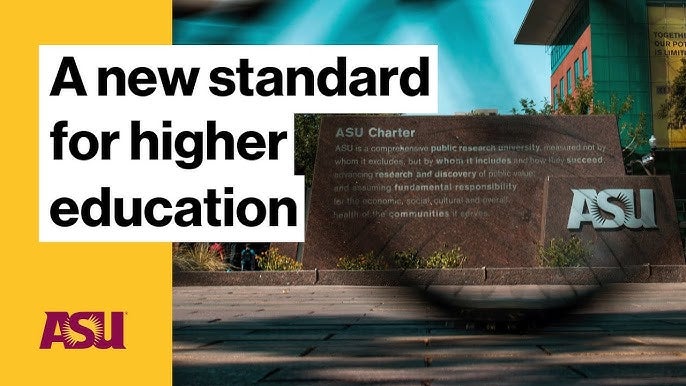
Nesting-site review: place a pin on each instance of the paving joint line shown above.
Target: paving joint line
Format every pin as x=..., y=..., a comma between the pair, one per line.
x=544, y=349
x=269, y=374
x=577, y=371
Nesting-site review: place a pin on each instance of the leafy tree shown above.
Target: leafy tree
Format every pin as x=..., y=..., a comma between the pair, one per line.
x=583, y=102
x=674, y=108
x=306, y=129
x=580, y=102
x=637, y=134
x=528, y=107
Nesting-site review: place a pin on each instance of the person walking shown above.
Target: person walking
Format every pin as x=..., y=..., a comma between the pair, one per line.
x=218, y=248
x=248, y=258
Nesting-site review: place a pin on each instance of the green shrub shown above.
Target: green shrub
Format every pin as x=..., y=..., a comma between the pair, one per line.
x=563, y=252
x=407, y=259
x=197, y=257
x=446, y=258
x=362, y=262
x=272, y=260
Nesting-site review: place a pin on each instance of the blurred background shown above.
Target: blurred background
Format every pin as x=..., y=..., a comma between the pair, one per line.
x=480, y=67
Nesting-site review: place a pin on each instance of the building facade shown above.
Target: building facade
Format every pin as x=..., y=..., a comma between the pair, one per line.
x=625, y=47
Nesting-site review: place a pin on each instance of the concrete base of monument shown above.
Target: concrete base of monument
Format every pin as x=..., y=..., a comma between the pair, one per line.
x=438, y=277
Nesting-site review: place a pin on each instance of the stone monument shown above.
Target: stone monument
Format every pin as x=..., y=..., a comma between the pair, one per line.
x=496, y=186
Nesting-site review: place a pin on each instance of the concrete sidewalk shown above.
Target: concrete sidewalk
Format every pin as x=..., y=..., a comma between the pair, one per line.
x=627, y=334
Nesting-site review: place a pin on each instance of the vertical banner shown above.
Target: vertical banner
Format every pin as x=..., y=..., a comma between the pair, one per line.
x=667, y=40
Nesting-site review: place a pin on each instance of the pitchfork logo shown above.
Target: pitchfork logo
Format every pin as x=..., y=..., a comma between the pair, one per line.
x=82, y=330
x=611, y=209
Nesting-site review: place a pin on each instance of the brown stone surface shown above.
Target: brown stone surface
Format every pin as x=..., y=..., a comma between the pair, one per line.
x=613, y=245
x=431, y=277
x=667, y=273
x=288, y=249
x=476, y=182
x=245, y=278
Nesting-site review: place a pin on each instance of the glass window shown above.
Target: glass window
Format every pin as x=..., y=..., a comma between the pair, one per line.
x=562, y=87
x=570, y=84
x=555, y=97
x=584, y=62
x=576, y=70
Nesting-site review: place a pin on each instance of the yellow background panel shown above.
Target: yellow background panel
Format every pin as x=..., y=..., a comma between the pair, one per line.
x=35, y=278
x=667, y=32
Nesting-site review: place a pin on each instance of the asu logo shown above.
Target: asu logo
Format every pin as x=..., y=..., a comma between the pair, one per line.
x=611, y=209
x=82, y=330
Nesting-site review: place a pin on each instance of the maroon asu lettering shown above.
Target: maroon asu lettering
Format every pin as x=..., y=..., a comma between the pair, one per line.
x=83, y=330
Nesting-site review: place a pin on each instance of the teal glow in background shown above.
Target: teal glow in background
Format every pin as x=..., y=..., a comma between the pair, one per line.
x=479, y=65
